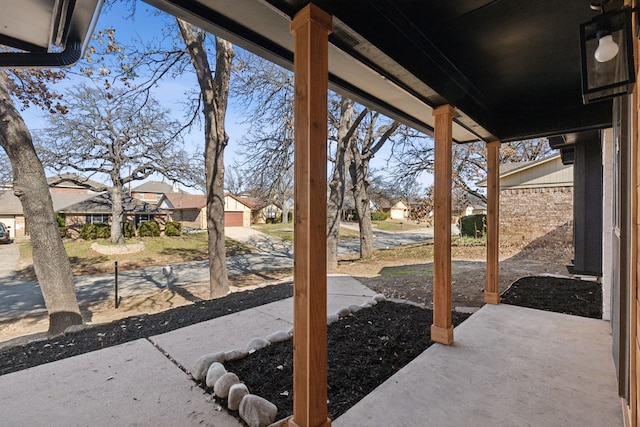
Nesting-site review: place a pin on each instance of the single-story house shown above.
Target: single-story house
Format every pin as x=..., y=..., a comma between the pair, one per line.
x=469, y=204
x=97, y=209
x=244, y=211
x=395, y=209
x=190, y=210
x=528, y=190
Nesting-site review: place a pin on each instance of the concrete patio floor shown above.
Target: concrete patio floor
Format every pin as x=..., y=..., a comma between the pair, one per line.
x=509, y=366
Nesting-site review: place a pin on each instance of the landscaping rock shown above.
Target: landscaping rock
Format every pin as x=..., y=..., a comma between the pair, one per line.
x=236, y=354
x=332, y=318
x=257, y=344
x=343, y=312
x=379, y=298
x=278, y=337
x=372, y=302
x=236, y=393
x=257, y=411
x=199, y=370
x=216, y=370
x=355, y=308
x=224, y=383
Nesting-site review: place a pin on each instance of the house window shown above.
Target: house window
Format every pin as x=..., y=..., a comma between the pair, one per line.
x=97, y=218
x=143, y=218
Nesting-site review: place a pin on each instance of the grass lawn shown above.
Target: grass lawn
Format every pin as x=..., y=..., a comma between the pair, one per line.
x=397, y=225
x=282, y=231
x=285, y=231
x=158, y=251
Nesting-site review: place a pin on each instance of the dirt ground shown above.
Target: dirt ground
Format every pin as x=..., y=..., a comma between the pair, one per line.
x=405, y=273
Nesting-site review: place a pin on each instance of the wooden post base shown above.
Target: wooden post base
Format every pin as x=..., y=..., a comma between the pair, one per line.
x=492, y=298
x=289, y=422
x=442, y=335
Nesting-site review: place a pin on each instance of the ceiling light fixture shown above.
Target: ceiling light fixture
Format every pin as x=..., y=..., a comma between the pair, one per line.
x=607, y=55
x=607, y=47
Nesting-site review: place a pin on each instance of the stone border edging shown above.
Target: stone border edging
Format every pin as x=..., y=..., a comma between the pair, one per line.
x=253, y=409
x=128, y=248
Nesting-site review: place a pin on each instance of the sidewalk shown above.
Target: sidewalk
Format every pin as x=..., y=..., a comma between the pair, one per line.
x=139, y=383
x=509, y=366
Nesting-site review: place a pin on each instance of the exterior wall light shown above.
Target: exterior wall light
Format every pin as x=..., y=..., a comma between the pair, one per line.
x=607, y=56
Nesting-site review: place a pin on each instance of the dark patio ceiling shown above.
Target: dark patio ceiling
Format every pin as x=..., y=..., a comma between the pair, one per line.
x=510, y=67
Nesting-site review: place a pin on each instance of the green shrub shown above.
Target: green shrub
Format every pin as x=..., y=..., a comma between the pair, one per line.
x=103, y=231
x=473, y=225
x=62, y=225
x=88, y=232
x=378, y=216
x=149, y=229
x=129, y=230
x=289, y=216
x=172, y=229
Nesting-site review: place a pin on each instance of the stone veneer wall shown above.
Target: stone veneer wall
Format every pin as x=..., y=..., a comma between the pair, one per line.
x=529, y=213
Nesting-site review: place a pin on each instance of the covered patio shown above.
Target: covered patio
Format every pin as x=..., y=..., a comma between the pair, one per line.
x=491, y=71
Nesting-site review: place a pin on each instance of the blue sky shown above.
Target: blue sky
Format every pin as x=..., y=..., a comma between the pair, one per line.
x=145, y=26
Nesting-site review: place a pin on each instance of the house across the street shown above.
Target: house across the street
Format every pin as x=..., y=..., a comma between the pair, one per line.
x=97, y=209
x=190, y=210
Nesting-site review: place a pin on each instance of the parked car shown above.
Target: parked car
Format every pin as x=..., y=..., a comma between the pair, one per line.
x=5, y=236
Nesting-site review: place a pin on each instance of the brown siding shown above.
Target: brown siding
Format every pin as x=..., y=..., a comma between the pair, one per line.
x=529, y=213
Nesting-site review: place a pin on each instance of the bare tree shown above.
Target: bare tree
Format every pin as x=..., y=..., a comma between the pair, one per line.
x=50, y=260
x=266, y=92
x=116, y=132
x=168, y=57
x=414, y=156
x=345, y=124
x=369, y=141
x=214, y=92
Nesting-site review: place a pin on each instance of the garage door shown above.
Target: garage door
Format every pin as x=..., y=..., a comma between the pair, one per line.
x=233, y=219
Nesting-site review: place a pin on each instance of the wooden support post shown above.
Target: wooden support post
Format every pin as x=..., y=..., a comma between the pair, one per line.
x=442, y=330
x=311, y=28
x=492, y=291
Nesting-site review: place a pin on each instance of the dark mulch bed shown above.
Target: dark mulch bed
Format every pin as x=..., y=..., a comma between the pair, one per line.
x=135, y=327
x=364, y=349
x=561, y=295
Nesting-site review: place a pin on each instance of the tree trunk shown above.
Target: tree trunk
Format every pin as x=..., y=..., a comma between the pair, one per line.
x=337, y=184
x=214, y=92
x=117, y=216
x=50, y=259
x=359, y=170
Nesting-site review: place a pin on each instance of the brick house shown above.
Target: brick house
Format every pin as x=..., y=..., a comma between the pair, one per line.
x=97, y=209
x=536, y=198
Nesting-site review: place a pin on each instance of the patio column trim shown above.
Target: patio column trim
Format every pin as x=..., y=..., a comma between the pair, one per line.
x=311, y=28
x=442, y=330
x=492, y=291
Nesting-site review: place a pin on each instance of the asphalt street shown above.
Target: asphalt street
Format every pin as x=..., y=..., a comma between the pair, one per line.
x=19, y=298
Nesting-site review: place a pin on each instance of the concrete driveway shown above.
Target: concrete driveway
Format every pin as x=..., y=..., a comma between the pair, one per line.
x=9, y=255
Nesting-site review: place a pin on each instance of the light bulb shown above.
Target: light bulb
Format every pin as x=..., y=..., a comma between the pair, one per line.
x=607, y=49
